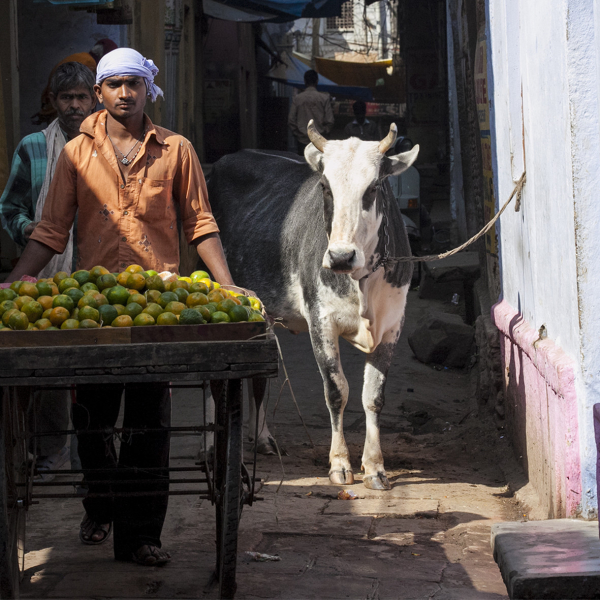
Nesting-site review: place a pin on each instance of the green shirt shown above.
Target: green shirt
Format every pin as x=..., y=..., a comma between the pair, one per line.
x=19, y=199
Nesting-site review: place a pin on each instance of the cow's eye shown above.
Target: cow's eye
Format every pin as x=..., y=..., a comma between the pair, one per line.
x=369, y=196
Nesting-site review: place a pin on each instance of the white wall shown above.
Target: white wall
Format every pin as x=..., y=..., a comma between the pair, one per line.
x=544, y=107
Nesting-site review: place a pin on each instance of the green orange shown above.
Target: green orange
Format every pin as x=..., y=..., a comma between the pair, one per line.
x=144, y=319
x=108, y=313
x=74, y=293
x=238, y=314
x=154, y=282
x=204, y=312
x=199, y=287
x=216, y=296
x=88, y=324
x=118, y=295
x=133, y=310
x=59, y=315
x=66, y=283
x=134, y=269
x=22, y=300
x=89, y=286
x=198, y=275
x=243, y=300
x=226, y=305
x=7, y=315
x=97, y=272
x=15, y=285
x=123, y=321
x=58, y=277
x=87, y=301
x=181, y=293
x=70, y=324
x=64, y=301
x=44, y=288
x=152, y=296
x=136, y=281
x=175, y=307
x=42, y=324
x=6, y=305
x=29, y=289
x=255, y=317
x=106, y=281
x=120, y=308
x=189, y=316
x=153, y=309
x=220, y=317
x=180, y=283
x=138, y=299
x=7, y=294
x=33, y=310
x=18, y=320
x=87, y=312
x=166, y=318
x=167, y=297
x=82, y=277
x=196, y=299
x=45, y=301
x=46, y=314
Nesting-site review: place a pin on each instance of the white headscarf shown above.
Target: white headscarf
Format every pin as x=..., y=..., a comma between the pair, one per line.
x=124, y=62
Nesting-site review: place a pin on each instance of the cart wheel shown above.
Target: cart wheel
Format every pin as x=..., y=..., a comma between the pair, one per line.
x=228, y=483
x=13, y=492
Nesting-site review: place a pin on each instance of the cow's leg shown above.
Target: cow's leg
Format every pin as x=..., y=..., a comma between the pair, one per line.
x=376, y=369
x=326, y=347
x=256, y=392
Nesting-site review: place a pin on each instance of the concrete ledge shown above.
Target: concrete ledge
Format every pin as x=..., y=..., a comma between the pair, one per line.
x=552, y=559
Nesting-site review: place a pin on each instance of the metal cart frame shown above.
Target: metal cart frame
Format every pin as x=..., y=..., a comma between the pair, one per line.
x=222, y=354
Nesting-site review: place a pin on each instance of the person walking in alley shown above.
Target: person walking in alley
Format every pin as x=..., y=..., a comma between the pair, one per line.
x=310, y=104
x=361, y=127
x=21, y=204
x=127, y=180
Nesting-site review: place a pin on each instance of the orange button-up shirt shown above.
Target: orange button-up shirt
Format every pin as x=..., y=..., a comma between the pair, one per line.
x=126, y=222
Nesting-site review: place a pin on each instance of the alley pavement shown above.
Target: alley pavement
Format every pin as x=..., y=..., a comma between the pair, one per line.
x=428, y=537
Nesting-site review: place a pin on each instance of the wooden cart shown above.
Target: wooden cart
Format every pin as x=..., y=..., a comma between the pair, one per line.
x=223, y=354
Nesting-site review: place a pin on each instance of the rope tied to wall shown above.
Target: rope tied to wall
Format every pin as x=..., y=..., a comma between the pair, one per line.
x=431, y=257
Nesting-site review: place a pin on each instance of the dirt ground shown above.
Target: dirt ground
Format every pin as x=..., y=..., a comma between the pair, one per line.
x=426, y=538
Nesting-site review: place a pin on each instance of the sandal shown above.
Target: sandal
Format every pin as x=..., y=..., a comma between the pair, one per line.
x=150, y=556
x=89, y=528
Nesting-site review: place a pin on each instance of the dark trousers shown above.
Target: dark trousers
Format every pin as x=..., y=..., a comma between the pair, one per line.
x=137, y=520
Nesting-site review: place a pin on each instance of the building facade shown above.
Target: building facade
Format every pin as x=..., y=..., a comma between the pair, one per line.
x=543, y=82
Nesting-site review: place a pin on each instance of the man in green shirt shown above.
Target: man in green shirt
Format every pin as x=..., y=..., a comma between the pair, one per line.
x=72, y=94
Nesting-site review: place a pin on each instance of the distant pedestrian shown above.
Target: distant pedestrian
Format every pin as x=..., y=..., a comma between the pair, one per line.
x=310, y=104
x=361, y=127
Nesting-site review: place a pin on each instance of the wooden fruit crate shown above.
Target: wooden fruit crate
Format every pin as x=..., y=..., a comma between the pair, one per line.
x=138, y=354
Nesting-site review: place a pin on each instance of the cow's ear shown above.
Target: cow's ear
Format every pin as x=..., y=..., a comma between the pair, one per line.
x=314, y=158
x=394, y=165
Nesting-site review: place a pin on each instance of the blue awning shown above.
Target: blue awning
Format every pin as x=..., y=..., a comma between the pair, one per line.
x=287, y=10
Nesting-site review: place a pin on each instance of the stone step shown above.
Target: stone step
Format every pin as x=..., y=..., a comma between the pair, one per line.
x=559, y=558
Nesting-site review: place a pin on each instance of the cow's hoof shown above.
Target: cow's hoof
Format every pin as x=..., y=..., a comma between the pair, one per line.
x=267, y=446
x=341, y=477
x=377, y=482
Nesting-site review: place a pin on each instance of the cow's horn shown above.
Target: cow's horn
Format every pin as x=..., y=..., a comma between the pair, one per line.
x=389, y=140
x=315, y=137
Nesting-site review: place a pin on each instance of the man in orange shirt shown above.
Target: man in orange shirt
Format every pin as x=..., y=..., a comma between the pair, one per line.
x=125, y=178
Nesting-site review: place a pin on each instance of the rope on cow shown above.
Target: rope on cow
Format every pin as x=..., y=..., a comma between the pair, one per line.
x=516, y=192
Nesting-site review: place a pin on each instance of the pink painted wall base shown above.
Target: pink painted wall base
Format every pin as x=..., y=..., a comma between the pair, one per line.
x=541, y=411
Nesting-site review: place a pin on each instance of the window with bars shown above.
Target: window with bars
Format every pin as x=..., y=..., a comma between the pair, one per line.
x=345, y=21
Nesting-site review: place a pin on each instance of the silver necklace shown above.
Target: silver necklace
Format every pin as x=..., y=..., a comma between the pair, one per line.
x=127, y=161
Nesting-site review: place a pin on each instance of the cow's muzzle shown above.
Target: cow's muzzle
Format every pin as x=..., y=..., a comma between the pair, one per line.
x=340, y=260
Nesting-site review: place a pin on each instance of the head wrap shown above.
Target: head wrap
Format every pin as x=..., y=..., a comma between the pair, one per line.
x=124, y=62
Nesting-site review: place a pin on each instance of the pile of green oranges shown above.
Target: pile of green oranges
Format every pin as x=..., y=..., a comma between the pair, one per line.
x=133, y=298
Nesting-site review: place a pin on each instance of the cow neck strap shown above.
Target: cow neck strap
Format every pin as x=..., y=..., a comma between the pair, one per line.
x=386, y=258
